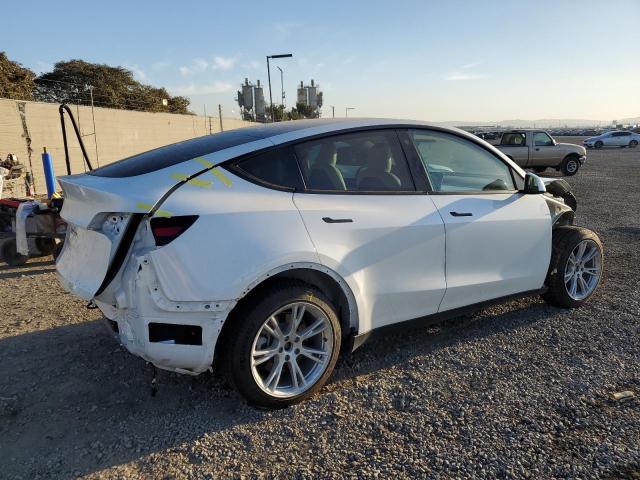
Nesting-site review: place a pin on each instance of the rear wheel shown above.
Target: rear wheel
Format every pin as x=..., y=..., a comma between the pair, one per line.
x=283, y=349
x=633, y=144
x=570, y=165
x=598, y=144
x=576, y=266
x=11, y=255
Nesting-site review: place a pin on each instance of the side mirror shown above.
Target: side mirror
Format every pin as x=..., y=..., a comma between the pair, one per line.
x=533, y=184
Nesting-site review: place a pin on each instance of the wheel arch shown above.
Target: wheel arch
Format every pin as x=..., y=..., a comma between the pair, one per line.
x=317, y=275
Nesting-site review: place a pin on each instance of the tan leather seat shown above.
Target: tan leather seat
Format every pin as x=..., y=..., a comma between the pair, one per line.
x=377, y=174
x=324, y=175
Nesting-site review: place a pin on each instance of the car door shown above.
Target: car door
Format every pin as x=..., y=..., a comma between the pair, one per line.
x=545, y=151
x=498, y=240
x=612, y=139
x=370, y=225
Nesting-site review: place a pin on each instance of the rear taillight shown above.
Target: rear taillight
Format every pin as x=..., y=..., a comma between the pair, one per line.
x=165, y=230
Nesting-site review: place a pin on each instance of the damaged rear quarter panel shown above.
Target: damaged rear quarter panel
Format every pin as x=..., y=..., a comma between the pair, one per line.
x=243, y=231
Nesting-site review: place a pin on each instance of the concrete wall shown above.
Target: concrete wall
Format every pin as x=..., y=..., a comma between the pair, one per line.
x=27, y=127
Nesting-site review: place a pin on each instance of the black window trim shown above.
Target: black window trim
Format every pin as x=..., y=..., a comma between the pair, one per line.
x=231, y=164
x=475, y=192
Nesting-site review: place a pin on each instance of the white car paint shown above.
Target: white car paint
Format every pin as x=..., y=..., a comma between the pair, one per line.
x=502, y=249
x=402, y=257
x=617, y=138
x=391, y=254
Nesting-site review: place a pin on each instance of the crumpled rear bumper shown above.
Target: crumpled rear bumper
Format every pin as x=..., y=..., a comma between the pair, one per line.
x=176, y=336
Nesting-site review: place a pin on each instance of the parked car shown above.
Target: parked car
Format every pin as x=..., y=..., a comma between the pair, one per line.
x=536, y=149
x=618, y=138
x=268, y=250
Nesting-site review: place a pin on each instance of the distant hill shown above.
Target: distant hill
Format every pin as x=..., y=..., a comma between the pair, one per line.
x=545, y=122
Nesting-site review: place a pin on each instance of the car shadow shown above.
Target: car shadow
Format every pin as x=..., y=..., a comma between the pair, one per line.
x=83, y=403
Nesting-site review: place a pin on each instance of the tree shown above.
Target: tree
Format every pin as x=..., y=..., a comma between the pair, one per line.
x=74, y=81
x=16, y=81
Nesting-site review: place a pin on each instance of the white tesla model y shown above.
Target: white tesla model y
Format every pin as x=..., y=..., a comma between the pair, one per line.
x=269, y=249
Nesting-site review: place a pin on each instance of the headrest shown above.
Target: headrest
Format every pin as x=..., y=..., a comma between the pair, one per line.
x=379, y=158
x=326, y=156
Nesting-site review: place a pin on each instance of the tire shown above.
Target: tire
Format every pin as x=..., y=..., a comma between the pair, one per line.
x=570, y=200
x=570, y=165
x=11, y=255
x=633, y=144
x=566, y=242
x=45, y=245
x=598, y=145
x=539, y=169
x=248, y=334
x=56, y=251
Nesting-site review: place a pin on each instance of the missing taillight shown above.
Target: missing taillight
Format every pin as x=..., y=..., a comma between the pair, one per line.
x=165, y=230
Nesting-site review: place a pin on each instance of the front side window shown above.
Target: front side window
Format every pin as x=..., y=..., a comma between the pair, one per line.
x=369, y=161
x=541, y=139
x=276, y=167
x=454, y=164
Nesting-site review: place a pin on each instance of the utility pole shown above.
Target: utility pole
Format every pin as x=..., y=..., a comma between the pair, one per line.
x=282, y=86
x=333, y=111
x=220, y=115
x=284, y=55
x=93, y=118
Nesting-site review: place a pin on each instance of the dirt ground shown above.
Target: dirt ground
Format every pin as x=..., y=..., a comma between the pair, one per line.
x=522, y=390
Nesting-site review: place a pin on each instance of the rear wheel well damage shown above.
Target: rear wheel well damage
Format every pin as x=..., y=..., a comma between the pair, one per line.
x=324, y=279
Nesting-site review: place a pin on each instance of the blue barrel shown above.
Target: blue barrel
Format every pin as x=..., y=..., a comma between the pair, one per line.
x=49, y=174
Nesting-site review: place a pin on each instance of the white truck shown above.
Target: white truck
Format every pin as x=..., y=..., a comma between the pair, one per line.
x=537, y=150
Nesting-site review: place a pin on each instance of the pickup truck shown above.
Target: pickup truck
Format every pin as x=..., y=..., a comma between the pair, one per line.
x=537, y=150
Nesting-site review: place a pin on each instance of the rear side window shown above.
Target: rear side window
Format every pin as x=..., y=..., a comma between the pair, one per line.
x=367, y=162
x=276, y=168
x=514, y=139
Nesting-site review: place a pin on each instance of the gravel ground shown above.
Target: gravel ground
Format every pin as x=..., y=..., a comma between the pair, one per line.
x=522, y=390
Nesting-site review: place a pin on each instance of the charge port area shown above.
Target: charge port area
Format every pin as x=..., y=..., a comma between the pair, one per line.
x=172, y=334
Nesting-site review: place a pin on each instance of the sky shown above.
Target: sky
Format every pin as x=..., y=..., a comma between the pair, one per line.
x=428, y=60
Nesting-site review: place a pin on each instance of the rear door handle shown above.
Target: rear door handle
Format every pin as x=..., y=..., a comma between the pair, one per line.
x=337, y=220
x=461, y=214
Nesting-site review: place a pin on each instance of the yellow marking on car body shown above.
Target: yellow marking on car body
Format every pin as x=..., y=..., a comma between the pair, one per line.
x=194, y=181
x=147, y=207
x=222, y=177
x=217, y=172
x=204, y=162
x=163, y=213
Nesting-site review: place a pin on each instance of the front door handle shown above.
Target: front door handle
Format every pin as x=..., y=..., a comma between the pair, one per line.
x=337, y=220
x=461, y=214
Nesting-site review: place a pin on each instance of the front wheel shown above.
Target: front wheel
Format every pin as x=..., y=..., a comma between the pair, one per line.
x=285, y=347
x=576, y=266
x=598, y=144
x=570, y=166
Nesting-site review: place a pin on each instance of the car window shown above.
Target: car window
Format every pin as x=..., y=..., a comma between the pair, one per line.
x=541, y=139
x=454, y=164
x=276, y=167
x=369, y=161
x=514, y=139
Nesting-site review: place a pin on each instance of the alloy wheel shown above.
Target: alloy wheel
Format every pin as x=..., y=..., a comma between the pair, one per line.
x=583, y=269
x=292, y=350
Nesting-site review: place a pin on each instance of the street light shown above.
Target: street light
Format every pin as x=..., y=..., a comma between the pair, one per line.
x=281, y=85
x=346, y=111
x=283, y=55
